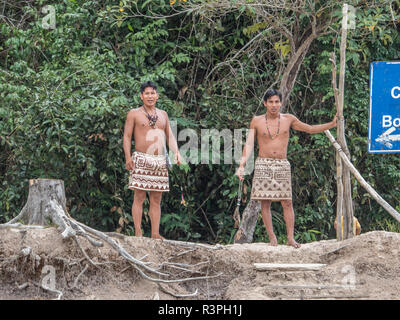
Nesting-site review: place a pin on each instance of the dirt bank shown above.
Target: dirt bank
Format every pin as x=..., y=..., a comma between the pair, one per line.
x=365, y=267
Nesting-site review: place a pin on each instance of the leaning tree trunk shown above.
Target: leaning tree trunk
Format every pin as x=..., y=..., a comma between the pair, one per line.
x=39, y=207
x=249, y=221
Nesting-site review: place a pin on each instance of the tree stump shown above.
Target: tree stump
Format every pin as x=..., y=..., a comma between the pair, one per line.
x=249, y=221
x=45, y=196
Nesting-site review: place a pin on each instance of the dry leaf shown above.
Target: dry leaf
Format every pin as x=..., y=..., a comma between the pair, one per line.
x=182, y=92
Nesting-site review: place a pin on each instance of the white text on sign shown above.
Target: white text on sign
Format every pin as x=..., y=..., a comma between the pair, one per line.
x=387, y=121
x=395, y=92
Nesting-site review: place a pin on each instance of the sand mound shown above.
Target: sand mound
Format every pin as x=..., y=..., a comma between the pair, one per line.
x=365, y=267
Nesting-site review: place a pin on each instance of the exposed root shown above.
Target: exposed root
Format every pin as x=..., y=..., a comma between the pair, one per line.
x=184, y=267
x=165, y=272
x=79, y=276
x=163, y=289
x=22, y=286
x=41, y=285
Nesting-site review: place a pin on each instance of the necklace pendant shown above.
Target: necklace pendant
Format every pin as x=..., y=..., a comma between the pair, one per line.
x=152, y=124
x=152, y=118
x=277, y=131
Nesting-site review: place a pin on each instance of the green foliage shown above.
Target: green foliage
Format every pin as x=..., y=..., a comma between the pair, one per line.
x=65, y=93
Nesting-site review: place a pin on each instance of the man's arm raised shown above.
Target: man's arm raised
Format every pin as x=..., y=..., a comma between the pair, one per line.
x=312, y=129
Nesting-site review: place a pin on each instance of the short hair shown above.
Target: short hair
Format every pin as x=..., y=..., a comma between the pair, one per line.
x=272, y=92
x=147, y=84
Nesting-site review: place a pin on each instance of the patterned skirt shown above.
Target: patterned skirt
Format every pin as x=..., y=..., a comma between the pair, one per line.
x=272, y=180
x=149, y=173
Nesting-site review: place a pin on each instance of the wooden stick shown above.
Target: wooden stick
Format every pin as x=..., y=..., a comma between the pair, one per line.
x=334, y=85
x=289, y=266
x=344, y=216
x=361, y=180
x=195, y=293
x=339, y=167
x=342, y=60
x=334, y=251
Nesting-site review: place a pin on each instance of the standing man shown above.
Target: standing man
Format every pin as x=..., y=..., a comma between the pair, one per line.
x=147, y=165
x=272, y=174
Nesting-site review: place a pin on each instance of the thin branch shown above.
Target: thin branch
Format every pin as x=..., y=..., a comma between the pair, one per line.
x=194, y=294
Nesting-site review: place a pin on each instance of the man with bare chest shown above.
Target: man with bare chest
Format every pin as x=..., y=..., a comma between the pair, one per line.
x=272, y=172
x=147, y=165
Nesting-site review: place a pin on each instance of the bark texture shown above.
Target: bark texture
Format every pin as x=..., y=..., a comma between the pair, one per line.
x=38, y=209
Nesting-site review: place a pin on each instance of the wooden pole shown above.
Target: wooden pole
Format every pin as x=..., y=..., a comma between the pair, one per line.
x=361, y=180
x=344, y=208
x=339, y=168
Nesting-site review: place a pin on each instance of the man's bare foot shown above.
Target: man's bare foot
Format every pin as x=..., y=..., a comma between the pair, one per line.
x=273, y=241
x=293, y=243
x=157, y=236
x=138, y=234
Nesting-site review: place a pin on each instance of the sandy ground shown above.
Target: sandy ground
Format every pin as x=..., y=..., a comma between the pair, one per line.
x=364, y=267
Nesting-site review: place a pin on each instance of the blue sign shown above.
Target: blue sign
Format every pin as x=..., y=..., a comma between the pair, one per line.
x=384, y=107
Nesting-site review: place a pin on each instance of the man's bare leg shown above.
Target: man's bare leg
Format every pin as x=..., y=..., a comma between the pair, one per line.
x=288, y=216
x=267, y=219
x=137, y=210
x=155, y=214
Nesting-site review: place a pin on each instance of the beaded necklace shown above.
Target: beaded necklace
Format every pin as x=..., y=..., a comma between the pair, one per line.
x=277, y=131
x=152, y=118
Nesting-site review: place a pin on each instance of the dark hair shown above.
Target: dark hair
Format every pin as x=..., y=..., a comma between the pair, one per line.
x=147, y=84
x=272, y=92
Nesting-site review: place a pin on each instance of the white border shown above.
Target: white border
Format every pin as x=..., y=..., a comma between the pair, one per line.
x=370, y=109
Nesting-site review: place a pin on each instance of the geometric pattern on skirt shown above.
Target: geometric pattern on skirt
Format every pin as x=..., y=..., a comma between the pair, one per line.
x=272, y=180
x=149, y=173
